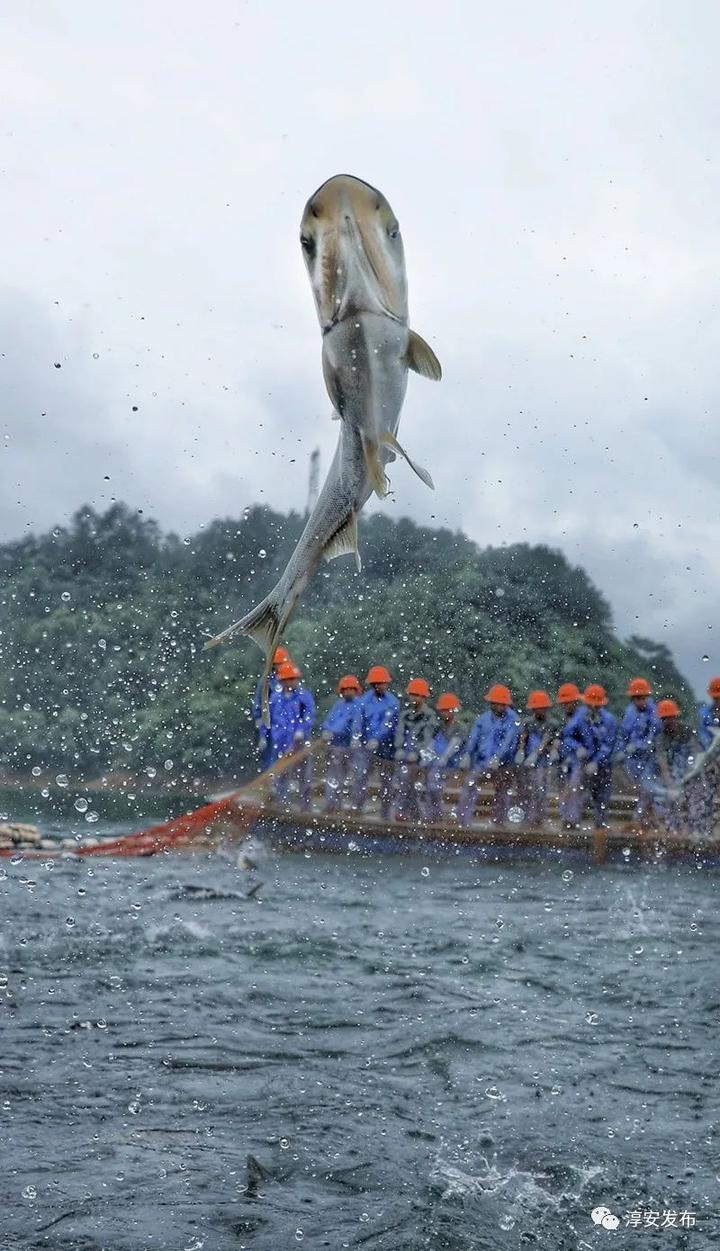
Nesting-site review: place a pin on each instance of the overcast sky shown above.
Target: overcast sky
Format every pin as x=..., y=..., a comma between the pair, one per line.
x=555, y=171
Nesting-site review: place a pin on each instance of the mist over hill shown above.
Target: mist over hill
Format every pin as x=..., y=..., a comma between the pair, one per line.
x=102, y=625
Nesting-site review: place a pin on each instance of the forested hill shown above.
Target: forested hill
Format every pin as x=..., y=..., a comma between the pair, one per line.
x=102, y=625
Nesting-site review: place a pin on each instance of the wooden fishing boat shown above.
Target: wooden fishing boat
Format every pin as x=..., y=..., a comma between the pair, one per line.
x=254, y=811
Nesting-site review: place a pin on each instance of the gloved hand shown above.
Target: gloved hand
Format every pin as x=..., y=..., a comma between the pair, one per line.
x=531, y=761
x=631, y=749
x=372, y=744
x=412, y=757
x=399, y=755
x=493, y=765
x=591, y=769
x=520, y=757
x=582, y=753
x=464, y=762
x=298, y=737
x=326, y=736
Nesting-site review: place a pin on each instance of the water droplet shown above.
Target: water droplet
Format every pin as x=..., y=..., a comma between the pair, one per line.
x=81, y=805
x=262, y=553
x=62, y=779
x=36, y=771
x=425, y=871
x=29, y=1193
x=151, y=772
x=500, y=923
x=134, y=1107
x=591, y=1018
x=102, y=644
x=96, y=356
x=492, y=1092
x=284, y=1144
x=91, y=817
x=66, y=597
x=70, y=922
x=102, y=1023
x=639, y=951
x=299, y=1235
x=706, y=658
x=506, y=1221
x=515, y=815
x=567, y=875
x=168, y=765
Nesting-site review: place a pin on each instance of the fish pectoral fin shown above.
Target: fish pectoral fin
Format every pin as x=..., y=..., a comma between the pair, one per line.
x=374, y=468
x=344, y=542
x=389, y=440
x=421, y=358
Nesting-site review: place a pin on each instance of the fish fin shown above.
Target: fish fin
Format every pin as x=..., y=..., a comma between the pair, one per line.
x=344, y=542
x=374, y=468
x=421, y=358
x=332, y=384
x=334, y=416
x=263, y=625
x=389, y=440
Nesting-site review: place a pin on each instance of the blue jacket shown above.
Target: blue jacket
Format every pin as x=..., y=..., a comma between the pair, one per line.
x=493, y=738
x=291, y=712
x=638, y=730
x=275, y=685
x=708, y=721
x=537, y=734
x=443, y=755
x=575, y=742
x=603, y=729
x=339, y=721
x=377, y=719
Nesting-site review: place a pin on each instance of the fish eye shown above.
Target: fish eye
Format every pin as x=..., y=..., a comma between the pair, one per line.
x=393, y=230
x=307, y=243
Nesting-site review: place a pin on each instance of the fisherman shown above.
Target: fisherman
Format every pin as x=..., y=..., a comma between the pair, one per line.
x=280, y=657
x=676, y=750
x=489, y=753
x=292, y=718
x=709, y=715
x=573, y=747
x=413, y=751
x=337, y=733
x=445, y=749
x=537, y=736
x=603, y=729
x=375, y=718
x=636, y=744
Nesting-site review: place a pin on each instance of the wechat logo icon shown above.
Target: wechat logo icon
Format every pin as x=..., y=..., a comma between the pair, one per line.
x=603, y=1216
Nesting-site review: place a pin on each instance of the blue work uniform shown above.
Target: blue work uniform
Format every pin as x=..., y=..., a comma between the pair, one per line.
x=264, y=748
x=375, y=718
x=492, y=744
x=444, y=752
x=534, y=752
x=708, y=724
x=636, y=742
x=603, y=729
x=493, y=739
x=291, y=713
x=574, y=744
x=339, y=722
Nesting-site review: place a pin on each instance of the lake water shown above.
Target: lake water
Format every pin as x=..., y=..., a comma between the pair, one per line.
x=388, y=1055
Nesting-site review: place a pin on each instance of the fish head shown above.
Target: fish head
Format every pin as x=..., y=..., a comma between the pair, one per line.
x=353, y=251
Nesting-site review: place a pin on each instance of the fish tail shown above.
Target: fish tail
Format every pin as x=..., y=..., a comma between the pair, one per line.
x=264, y=625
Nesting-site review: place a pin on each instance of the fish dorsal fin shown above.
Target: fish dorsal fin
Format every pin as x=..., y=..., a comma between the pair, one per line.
x=374, y=467
x=389, y=440
x=421, y=358
x=344, y=542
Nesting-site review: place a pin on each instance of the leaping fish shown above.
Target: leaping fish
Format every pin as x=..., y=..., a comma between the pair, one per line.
x=353, y=251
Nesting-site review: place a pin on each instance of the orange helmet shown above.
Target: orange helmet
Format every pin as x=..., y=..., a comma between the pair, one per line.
x=639, y=686
x=448, y=703
x=348, y=683
x=418, y=687
x=288, y=671
x=595, y=696
x=667, y=708
x=539, y=699
x=714, y=688
x=378, y=673
x=499, y=695
x=280, y=655
x=568, y=693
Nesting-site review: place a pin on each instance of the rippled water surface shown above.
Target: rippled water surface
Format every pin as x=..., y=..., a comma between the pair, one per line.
x=381, y=1054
